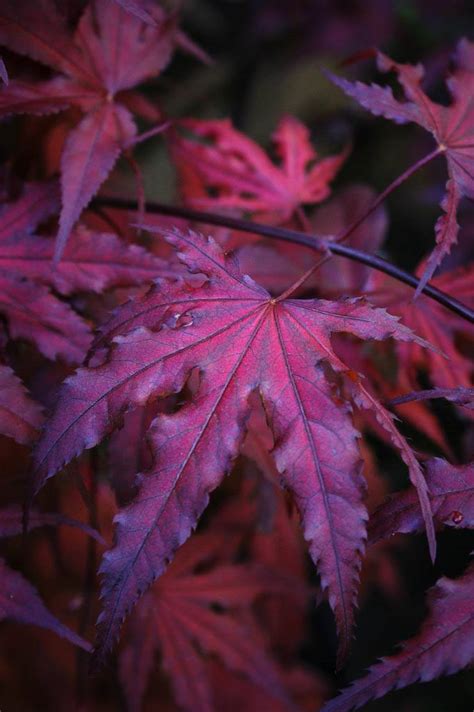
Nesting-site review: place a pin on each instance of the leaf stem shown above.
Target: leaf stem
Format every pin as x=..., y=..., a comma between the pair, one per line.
x=347, y=232
x=457, y=395
x=315, y=242
x=350, y=229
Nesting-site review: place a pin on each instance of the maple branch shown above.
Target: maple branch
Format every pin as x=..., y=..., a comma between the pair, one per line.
x=347, y=232
x=315, y=242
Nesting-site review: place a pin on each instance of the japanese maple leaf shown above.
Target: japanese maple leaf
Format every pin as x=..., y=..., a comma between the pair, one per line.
x=110, y=52
x=451, y=490
x=92, y=261
x=242, y=340
x=220, y=167
x=32, y=311
x=35, y=314
x=179, y=618
x=449, y=367
x=444, y=645
x=20, y=417
x=452, y=128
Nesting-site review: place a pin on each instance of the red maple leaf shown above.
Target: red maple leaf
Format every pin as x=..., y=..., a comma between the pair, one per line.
x=191, y=612
x=92, y=261
x=110, y=52
x=451, y=126
x=444, y=645
x=220, y=167
x=242, y=341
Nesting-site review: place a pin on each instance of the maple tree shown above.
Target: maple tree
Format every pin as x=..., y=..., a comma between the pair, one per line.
x=253, y=363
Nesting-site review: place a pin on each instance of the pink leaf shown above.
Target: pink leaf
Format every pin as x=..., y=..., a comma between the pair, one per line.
x=89, y=155
x=120, y=49
x=447, y=366
x=446, y=230
x=451, y=127
x=36, y=315
x=179, y=617
x=230, y=170
x=240, y=339
x=364, y=399
x=92, y=261
x=37, y=202
x=41, y=98
x=37, y=30
x=444, y=645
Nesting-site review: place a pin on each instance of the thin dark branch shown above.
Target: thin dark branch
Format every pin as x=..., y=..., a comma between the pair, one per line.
x=315, y=242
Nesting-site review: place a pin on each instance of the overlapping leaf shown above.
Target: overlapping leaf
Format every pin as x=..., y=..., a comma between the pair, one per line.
x=92, y=261
x=241, y=340
x=110, y=52
x=452, y=127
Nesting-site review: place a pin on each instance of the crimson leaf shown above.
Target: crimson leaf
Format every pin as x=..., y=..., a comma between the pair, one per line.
x=451, y=126
x=242, y=340
x=444, y=645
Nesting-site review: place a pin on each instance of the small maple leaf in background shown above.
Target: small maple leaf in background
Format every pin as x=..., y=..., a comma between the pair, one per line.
x=444, y=645
x=448, y=367
x=220, y=167
x=110, y=52
x=240, y=339
x=203, y=606
x=451, y=126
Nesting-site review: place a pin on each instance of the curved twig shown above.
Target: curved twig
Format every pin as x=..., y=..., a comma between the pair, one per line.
x=315, y=242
